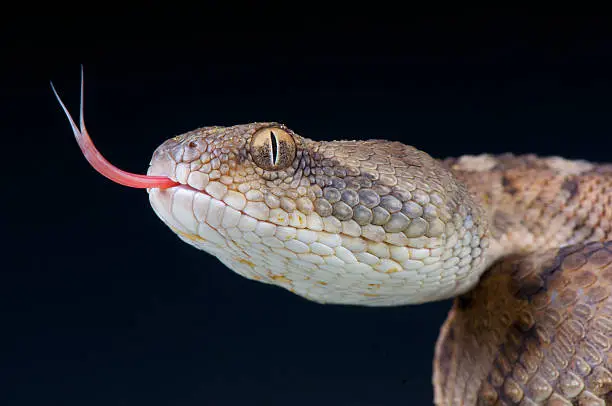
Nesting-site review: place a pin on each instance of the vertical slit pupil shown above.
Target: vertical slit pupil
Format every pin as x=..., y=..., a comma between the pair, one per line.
x=274, y=143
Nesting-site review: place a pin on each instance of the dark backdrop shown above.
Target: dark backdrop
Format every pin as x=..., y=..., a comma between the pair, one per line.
x=100, y=304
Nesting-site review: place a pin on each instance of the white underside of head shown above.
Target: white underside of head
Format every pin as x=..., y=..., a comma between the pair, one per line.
x=322, y=266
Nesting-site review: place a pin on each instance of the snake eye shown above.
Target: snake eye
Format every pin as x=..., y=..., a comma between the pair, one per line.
x=272, y=148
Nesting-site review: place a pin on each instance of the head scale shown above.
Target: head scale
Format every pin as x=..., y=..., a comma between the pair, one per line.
x=353, y=222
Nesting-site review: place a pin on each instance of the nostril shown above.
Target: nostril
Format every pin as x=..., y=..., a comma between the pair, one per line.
x=192, y=144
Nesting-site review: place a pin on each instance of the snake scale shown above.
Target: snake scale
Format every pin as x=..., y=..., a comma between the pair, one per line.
x=523, y=243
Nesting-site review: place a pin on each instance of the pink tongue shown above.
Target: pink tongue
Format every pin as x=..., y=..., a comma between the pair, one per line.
x=100, y=164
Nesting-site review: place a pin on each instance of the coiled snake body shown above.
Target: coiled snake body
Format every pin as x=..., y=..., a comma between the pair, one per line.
x=522, y=242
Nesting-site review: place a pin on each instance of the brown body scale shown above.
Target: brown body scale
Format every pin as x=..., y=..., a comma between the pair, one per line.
x=537, y=330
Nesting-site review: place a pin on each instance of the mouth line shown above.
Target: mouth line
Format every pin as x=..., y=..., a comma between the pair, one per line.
x=181, y=186
x=188, y=187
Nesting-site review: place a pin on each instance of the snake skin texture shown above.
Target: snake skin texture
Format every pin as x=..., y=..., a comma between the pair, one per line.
x=352, y=222
x=538, y=327
x=536, y=330
x=380, y=223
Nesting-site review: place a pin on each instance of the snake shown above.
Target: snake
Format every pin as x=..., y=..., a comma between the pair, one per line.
x=522, y=243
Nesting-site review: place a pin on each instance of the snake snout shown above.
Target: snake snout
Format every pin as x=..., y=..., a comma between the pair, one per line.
x=162, y=163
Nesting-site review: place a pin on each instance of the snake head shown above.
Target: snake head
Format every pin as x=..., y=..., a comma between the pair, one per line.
x=352, y=222
x=355, y=222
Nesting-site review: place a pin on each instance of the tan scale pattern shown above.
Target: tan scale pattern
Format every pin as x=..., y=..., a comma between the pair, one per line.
x=536, y=330
x=538, y=203
x=526, y=335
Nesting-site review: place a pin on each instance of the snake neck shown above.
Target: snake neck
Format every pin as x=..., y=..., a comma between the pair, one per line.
x=534, y=203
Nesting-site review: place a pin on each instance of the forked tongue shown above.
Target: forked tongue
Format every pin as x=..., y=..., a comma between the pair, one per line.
x=100, y=164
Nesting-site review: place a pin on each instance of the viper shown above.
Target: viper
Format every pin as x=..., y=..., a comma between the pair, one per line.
x=523, y=244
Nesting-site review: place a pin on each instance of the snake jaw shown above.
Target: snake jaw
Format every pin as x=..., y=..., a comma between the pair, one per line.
x=99, y=163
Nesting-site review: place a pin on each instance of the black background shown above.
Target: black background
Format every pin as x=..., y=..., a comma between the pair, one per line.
x=100, y=304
